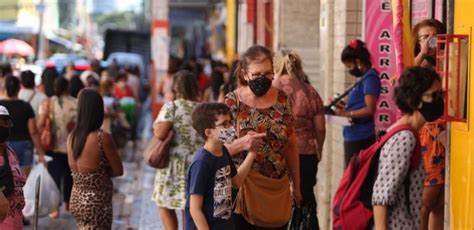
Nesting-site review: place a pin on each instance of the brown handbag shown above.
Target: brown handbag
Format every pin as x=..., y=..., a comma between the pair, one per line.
x=46, y=137
x=157, y=152
x=261, y=200
x=264, y=201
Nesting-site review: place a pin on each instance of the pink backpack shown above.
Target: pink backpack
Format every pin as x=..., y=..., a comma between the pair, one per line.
x=352, y=203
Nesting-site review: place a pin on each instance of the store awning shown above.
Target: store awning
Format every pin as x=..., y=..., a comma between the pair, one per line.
x=63, y=42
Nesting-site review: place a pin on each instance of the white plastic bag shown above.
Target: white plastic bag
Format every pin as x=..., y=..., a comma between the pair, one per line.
x=49, y=196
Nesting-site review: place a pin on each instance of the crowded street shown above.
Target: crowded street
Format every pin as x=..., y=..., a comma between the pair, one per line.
x=236, y=114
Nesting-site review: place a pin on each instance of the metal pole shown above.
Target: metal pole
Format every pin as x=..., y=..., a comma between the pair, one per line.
x=447, y=193
x=40, y=50
x=37, y=196
x=450, y=17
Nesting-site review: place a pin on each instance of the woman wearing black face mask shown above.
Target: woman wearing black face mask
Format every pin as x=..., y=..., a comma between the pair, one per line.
x=400, y=167
x=361, y=104
x=264, y=124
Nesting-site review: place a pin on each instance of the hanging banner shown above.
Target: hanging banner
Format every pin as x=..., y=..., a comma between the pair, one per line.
x=379, y=37
x=402, y=39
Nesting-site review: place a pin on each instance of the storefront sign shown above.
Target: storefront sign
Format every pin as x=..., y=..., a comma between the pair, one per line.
x=379, y=37
x=420, y=10
x=439, y=8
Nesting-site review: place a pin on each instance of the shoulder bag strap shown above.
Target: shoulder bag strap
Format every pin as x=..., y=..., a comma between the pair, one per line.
x=337, y=99
x=174, y=110
x=174, y=115
x=31, y=97
x=237, y=101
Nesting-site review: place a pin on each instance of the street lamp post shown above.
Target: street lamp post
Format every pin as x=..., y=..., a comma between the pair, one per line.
x=40, y=7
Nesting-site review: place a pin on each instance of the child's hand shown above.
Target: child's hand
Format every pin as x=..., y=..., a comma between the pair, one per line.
x=253, y=141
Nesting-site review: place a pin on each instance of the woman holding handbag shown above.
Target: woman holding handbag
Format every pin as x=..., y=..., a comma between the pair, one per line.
x=169, y=193
x=264, y=200
x=61, y=110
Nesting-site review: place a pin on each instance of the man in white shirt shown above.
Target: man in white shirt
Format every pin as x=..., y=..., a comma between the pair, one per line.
x=28, y=92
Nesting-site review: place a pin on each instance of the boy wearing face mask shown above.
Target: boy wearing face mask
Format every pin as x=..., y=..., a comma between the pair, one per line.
x=212, y=172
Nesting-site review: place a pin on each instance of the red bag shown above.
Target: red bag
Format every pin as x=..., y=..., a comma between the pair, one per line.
x=352, y=203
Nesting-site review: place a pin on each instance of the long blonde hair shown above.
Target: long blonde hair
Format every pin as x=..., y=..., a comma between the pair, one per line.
x=289, y=62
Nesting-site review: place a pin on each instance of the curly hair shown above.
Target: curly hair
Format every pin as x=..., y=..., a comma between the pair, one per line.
x=411, y=86
x=205, y=115
x=185, y=85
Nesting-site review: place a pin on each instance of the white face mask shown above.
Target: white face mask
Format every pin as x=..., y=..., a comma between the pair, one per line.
x=226, y=135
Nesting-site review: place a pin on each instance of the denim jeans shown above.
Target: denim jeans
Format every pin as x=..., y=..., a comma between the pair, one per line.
x=24, y=151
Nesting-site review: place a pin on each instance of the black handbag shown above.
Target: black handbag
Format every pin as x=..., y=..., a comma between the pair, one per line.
x=302, y=218
x=6, y=176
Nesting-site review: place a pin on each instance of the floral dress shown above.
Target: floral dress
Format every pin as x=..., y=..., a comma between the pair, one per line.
x=434, y=152
x=276, y=121
x=170, y=182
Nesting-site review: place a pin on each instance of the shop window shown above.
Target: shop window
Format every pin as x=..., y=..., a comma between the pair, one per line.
x=452, y=64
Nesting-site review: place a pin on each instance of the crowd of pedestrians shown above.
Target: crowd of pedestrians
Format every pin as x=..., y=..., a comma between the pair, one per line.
x=78, y=136
x=247, y=139
x=278, y=121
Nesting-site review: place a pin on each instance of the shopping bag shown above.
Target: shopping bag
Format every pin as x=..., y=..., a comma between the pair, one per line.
x=49, y=195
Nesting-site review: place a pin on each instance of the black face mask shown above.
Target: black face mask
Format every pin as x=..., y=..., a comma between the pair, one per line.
x=4, y=134
x=431, y=111
x=260, y=85
x=356, y=72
